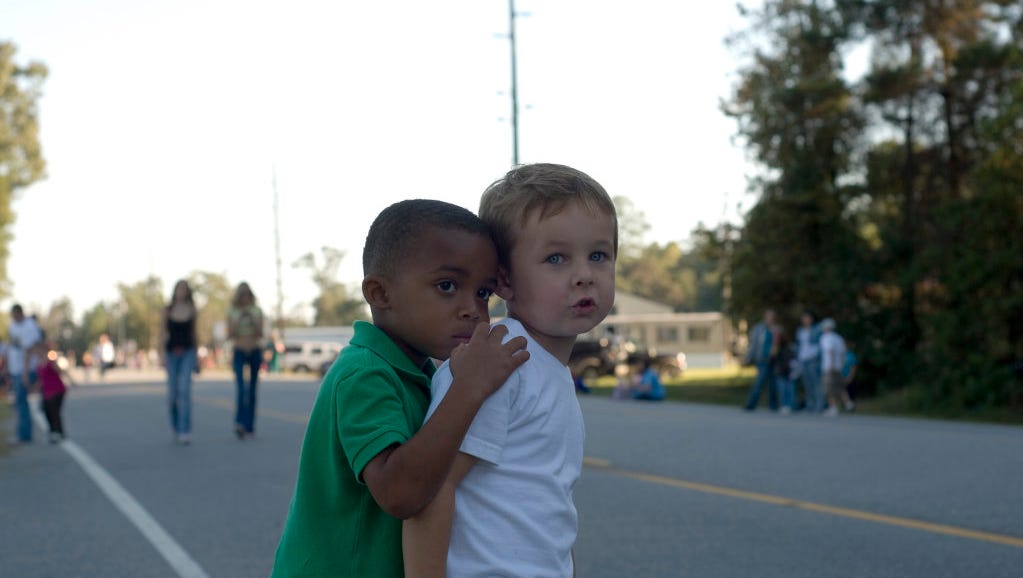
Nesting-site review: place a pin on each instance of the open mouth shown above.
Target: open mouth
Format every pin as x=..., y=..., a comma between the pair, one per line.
x=586, y=305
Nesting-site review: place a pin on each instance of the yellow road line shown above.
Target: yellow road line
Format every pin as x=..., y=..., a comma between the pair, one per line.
x=285, y=416
x=803, y=505
x=604, y=464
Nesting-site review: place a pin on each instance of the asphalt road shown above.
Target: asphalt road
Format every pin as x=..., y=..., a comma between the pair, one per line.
x=669, y=490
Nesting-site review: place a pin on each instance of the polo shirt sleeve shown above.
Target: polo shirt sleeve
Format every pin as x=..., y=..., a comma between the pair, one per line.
x=371, y=413
x=488, y=433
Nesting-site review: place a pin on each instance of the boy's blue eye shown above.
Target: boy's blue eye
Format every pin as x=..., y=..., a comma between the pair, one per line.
x=446, y=286
x=598, y=256
x=556, y=259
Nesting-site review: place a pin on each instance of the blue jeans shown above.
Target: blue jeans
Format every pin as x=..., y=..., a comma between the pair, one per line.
x=810, y=376
x=765, y=376
x=21, y=402
x=245, y=405
x=179, y=389
x=786, y=390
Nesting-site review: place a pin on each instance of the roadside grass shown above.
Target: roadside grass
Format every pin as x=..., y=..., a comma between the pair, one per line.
x=730, y=386
x=907, y=402
x=725, y=386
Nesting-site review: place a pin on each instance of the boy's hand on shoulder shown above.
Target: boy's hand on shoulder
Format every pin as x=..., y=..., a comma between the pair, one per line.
x=482, y=365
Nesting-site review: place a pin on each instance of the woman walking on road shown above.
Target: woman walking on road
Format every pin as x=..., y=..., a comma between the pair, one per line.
x=180, y=359
x=245, y=329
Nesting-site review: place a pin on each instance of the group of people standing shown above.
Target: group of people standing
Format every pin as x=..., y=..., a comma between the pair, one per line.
x=816, y=357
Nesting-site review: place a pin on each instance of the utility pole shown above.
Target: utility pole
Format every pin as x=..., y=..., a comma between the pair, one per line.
x=277, y=250
x=514, y=85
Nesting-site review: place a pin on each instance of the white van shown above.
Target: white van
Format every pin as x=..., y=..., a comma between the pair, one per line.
x=308, y=356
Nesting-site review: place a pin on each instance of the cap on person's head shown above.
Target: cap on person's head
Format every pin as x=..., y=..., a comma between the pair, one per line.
x=828, y=324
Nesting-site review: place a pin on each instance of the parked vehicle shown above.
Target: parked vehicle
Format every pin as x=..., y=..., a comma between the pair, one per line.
x=325, y=366
x=593, y=358
x=308, y=356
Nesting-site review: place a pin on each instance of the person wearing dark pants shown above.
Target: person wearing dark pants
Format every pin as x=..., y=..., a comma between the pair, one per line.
x=245, y=329
x=761, y=342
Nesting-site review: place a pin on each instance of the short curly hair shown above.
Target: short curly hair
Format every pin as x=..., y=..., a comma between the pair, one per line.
x=399, y=228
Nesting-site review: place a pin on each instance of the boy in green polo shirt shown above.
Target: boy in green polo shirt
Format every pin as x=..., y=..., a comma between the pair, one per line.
x=429, y=270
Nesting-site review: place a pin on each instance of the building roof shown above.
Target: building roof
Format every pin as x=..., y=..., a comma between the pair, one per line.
x=630, y=304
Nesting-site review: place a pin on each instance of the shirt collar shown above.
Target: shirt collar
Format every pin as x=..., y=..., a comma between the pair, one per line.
x=373, y=338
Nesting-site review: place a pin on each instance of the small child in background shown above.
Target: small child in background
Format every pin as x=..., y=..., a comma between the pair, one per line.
x=53, y=381
x=648, y=384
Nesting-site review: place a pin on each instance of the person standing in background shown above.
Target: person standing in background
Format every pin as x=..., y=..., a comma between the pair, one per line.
x=808, y=354
x=761, y=344
x=849, y=375
x=784, y=363
x=106, y=355
x=53, y=382
x=22, y=334
x=245, y=330
x=832, y=359
x=272, y=352
x=180, y=358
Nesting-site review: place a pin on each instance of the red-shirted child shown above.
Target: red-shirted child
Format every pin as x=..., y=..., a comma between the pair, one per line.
x=52, y=386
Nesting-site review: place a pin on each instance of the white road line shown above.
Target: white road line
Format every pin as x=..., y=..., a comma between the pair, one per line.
x=173, y=553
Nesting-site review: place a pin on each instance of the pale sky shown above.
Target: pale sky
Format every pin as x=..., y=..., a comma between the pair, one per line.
x=162, y=123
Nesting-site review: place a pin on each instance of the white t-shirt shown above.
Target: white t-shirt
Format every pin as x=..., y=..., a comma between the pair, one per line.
x=21, y=336
x=808, y=350
x=832, y=352
x=514, y=511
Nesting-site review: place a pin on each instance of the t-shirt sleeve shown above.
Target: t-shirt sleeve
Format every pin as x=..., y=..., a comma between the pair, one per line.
x=488, y=433
x=371, y=416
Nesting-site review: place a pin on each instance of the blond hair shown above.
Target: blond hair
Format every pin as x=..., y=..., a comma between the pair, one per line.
x=546, y=188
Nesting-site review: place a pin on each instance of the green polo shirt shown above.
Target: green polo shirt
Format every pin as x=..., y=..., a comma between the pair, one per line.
x=372, y=397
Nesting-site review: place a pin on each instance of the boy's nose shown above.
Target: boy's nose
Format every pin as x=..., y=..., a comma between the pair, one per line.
x=584, y=275
x=473, y=311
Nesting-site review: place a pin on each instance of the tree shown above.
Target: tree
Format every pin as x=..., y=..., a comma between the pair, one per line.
x=668, y=274
x=904, y=186
x=21, y=158
x=632, y=228
x=213, y=294
x=336, y=303
x=799, y=119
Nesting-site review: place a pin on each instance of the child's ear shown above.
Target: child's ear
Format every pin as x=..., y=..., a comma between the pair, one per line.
x=504, y=289
x=374, y=289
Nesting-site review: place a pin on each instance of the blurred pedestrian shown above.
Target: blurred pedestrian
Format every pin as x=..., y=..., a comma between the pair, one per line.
x=179, y=321
x=832, y=358
x=53, y=382
x=22, y=335
x=245, y=329
x=272, y=354
x=761, y=344
x=808, y=353
x=105, y=354
x=784, y=363
x=849, y=368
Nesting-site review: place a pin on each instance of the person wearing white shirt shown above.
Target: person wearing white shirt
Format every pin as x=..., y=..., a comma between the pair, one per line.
x=22, y=334
x=832, y=357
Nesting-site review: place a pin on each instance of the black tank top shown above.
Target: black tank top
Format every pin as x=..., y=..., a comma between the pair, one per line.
x=180, y=334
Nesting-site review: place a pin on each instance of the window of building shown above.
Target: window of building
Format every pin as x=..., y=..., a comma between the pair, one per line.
x=699, y=334
x=667, y=334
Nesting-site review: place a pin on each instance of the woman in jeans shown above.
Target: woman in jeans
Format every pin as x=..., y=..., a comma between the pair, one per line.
x=180, y=358
x=245, y=329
